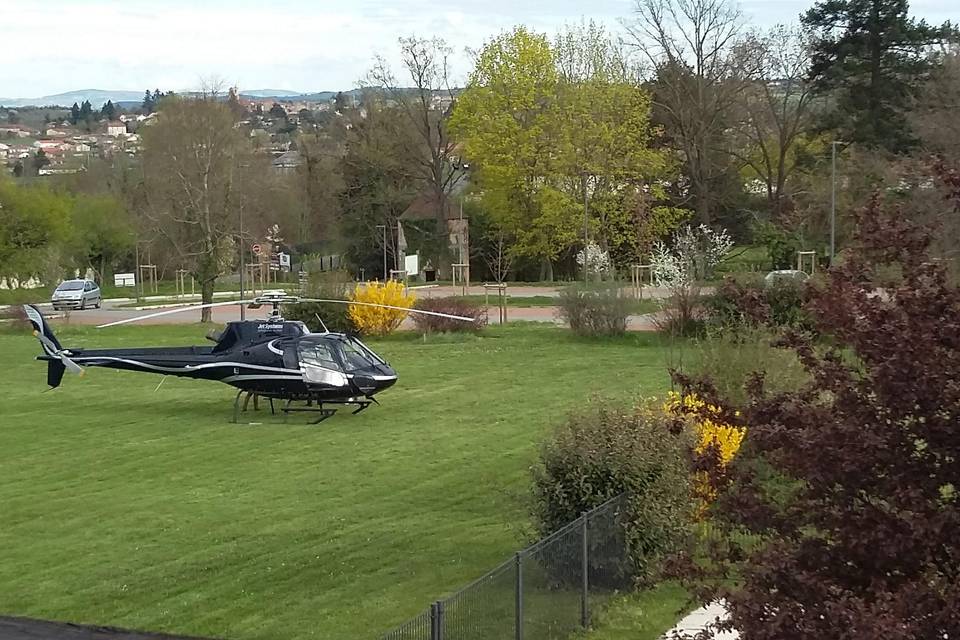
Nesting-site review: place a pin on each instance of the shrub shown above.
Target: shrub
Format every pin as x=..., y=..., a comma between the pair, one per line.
x=751, y=301
x=868, y=540
x=730, y=355
x=378, y=321
x=718, y=438
x=453, y=306
x=598, y=310
x=605, y=450
x=326, y=285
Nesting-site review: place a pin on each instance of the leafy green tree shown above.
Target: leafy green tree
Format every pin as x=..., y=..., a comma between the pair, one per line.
x=34, y=221
x=503, y=119
x=277, y=111
x=101, y=232
x=74, y=113
x=545, y=126
x=341, y=102
x=607, y=145
x=871, y=57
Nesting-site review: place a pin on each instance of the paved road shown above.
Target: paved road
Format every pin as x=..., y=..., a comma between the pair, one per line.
x=118, y=309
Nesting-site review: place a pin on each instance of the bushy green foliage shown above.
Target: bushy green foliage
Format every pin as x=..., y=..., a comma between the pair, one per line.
x=326, y=285
x=751, y=301
x=781, y=246
x=453, y=306
x=729, y=356
x=608, y=449
x=594, y=310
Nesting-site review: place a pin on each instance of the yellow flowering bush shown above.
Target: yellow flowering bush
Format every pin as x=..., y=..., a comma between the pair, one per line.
x=717, y=441
x=379, y=321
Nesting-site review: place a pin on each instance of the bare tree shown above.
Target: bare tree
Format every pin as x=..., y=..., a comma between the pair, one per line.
x=499, y=256
x=694, y=53
x=426, y=104
x=192, y=163
x=775, y=111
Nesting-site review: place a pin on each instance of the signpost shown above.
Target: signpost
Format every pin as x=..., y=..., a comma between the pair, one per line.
x=256, y=249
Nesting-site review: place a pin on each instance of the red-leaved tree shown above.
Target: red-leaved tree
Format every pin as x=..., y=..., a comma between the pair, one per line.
x=847, y=495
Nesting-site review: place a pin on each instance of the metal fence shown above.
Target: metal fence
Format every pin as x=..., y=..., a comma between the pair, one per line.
x=544, y=592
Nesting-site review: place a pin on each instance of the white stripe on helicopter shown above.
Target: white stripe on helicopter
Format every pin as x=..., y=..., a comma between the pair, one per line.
x=188, y=368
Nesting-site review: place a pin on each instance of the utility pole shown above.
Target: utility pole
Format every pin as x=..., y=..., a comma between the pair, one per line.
x=586, y=231
x=384, y=228
x=243, y=260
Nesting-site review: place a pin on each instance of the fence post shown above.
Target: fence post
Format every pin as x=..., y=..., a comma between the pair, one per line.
x=518, y=621
x=436, y=620
x=584, y=567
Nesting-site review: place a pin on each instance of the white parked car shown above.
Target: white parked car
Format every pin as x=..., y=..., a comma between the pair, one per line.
x=76, y=294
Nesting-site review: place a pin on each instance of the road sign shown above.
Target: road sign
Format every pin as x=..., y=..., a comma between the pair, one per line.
x=256, y=249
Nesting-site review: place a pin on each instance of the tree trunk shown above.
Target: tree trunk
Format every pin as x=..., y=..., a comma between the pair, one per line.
x=206, y=297
x=546, y=270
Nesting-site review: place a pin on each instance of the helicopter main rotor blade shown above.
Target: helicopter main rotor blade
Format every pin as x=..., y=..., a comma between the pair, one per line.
x=172, y=311
x=387, y=306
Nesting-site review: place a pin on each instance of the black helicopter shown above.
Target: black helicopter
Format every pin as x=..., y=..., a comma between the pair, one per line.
x=273, y=358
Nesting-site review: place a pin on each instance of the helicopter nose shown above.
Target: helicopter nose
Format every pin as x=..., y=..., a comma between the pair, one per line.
x=375, y=379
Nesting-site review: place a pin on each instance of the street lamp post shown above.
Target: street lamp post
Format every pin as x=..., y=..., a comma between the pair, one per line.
x=833, y=198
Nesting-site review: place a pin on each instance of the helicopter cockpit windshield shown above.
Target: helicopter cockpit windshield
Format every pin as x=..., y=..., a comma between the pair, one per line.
x=327, y=358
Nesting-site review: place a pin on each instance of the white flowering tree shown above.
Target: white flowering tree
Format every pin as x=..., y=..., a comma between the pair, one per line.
x=691, y=256
x=597, y=260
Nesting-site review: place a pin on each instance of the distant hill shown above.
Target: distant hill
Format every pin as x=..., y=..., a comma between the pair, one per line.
x=270, y=93
x=128, y=99
x=97, y=98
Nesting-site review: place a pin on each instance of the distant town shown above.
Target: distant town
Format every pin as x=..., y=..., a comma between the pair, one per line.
x=50, y=139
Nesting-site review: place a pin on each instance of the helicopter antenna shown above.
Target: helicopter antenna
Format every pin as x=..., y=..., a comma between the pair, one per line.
x=325, y=330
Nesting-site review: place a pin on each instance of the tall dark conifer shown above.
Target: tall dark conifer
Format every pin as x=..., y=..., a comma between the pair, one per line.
x=870, y=57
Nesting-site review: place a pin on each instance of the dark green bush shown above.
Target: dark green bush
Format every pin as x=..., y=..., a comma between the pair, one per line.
x=453, y=306
x=605, y=450
x=327, y=285
x=594, y=310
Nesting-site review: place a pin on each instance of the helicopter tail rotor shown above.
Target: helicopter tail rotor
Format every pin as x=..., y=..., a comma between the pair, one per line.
x=58, y=358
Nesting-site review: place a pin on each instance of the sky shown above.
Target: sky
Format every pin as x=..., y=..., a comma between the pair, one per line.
x=53, y=46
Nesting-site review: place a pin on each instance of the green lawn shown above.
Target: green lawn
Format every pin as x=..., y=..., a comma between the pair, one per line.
x=128, y=505
x=640, y=616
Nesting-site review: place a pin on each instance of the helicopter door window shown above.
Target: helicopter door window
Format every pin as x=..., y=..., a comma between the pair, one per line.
x=318, y=354
x=319, y=364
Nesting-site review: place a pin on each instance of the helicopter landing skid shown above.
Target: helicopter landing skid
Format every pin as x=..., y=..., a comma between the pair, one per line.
x=313, y=405
x=324, y=412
